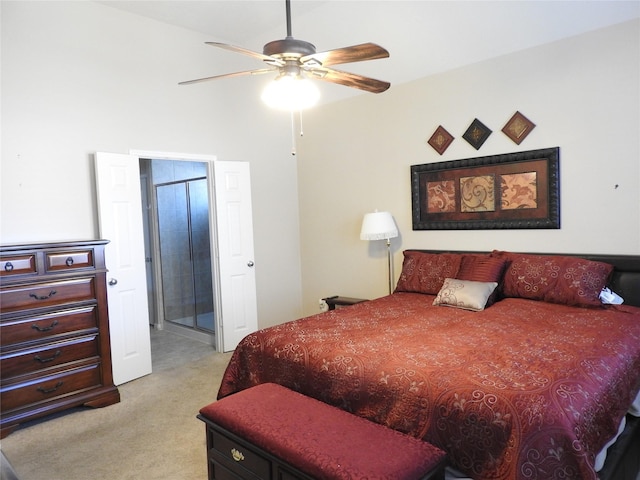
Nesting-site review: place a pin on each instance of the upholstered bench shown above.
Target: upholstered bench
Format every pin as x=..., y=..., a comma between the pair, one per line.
x=271, y=432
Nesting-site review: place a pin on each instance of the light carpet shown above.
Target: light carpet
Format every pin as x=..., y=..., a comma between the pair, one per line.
x=152, y=434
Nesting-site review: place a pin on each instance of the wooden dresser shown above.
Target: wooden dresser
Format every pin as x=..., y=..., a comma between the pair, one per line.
x=54, y=330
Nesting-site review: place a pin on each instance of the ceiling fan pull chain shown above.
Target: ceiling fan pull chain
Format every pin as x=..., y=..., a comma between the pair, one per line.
x=301, y=132
x=293, y=134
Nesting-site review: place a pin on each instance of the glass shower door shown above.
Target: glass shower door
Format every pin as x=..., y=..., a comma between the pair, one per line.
x=185, y=254
x=201, y=254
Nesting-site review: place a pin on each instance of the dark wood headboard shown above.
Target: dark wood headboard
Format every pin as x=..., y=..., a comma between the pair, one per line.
x=625, y=280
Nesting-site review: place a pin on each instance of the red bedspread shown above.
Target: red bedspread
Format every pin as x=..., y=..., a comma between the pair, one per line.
x=521, y=390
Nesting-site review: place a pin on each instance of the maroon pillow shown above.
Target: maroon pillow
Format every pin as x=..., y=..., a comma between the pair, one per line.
x=425, y=272
x=554, y=278
x=482, y=268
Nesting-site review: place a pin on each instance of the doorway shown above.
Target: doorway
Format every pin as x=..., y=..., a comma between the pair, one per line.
x=120, y=219
x=178, y=254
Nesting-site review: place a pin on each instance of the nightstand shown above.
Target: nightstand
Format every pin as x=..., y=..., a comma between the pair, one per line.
x=338, y=301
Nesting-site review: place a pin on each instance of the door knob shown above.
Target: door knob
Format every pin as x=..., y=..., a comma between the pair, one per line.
x=113, y=281
x=250, y=263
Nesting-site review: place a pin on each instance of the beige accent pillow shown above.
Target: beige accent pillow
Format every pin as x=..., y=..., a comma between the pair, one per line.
x=467, y=294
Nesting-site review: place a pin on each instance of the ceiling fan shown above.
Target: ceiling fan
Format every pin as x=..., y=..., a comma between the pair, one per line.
x=294, y=58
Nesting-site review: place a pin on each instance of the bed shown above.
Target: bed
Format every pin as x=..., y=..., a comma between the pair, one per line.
x=507, y=361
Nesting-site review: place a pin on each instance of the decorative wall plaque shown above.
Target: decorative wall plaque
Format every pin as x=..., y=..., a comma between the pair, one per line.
x=476, y=134
x=518, y=127
x=440, y=140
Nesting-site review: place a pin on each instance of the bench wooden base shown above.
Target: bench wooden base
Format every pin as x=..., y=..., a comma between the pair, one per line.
x=270, y=432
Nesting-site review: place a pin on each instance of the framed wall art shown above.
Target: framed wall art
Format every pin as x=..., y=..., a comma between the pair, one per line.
x=476, y=134
x=518, y=127
x=440, y=140
x=508, y=191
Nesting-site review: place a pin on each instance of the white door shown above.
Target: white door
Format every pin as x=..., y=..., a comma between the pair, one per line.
x=120, y=219
x=234, y=225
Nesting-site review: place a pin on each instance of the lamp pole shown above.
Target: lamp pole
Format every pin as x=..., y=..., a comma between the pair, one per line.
x=390, y=269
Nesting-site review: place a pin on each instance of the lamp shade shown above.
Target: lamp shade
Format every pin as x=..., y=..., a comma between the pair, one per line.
x=292, y=93
x=378, y=226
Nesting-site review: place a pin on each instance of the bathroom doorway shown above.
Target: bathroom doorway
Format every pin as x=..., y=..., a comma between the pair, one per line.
x=179, y=247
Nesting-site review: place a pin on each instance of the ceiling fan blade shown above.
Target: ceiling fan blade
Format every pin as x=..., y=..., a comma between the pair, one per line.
x=355, y=53
x=244, y=51
x=229, y=75
x=350, y=80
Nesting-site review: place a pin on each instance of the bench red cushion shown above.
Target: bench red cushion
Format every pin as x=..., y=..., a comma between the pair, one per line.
x=321, y=440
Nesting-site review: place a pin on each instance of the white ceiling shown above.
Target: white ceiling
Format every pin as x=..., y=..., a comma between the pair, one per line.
x=423, y=37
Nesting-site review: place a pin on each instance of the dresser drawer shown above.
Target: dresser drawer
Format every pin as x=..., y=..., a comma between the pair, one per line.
x=27, y=361
x=49, y=387
x=220, y=472
x=56, y=261
x=284, y=474
x=18, y=265
x=37, y=295
x=240, y=458
x=41, y=327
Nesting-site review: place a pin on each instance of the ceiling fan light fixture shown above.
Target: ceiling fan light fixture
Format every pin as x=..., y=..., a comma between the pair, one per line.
x=291, y=93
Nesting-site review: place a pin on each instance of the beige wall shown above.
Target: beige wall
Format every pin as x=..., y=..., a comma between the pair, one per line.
x=80, y=77
x=582, y=93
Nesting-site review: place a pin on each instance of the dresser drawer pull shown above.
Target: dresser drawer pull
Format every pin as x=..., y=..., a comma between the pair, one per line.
x=48, y=359
x=50, y=390
x=8, y=266
x=237, y=455
x=69, y=261
x=45, y=329
x=43, y=297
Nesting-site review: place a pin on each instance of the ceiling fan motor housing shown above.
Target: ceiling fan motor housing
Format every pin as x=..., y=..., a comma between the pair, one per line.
x=289, y=47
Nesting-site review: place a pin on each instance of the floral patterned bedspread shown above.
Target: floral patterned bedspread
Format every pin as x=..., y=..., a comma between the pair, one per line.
x=521, y=390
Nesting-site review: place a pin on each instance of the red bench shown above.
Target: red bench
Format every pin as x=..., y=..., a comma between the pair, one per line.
x=271, y=432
